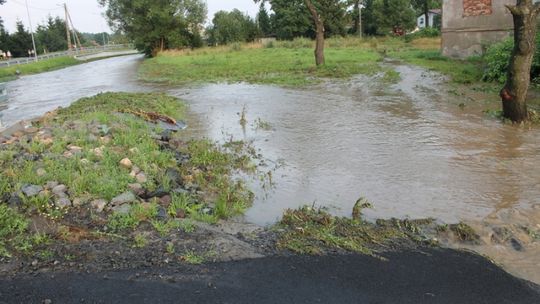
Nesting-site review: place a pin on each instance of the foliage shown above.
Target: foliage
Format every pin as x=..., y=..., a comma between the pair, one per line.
x=263, y=21
x=497, y=58
x=230, y=27
x=292, y=19
x=12, y=226
x=423, y=7
x=381, y=17
x=428, y=32
x=156, y=25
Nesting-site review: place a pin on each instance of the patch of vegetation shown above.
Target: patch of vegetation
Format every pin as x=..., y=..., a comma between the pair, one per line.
x=465, y=233
x=282, y=65
x=193, y=258
x=314, y=231
x=12, y=230
x=9, y=73
x=81, y=150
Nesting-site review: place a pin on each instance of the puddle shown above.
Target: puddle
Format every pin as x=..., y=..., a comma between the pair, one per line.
x=409, y=147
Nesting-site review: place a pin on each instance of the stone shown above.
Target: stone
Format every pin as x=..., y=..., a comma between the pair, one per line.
x=31, y=130
x=44, y=193
x=41, y=172
x=68, y=154
x=137, y=189
x=166, y=135
x=159, y=192
x=134, y=150
x=162, y=213
x=165, y=200
x=51, y=184
x=63, y=203
x=74, y=149
x=78, y=202
x=98, y=151
x=516, y=244
x=181, y=213
x=31, y=190
x=122, y=209
x=99, y=205
x=47, y=141
x=174, y=175
x=126, y=163
x=141, y=178
x=59, y=190
x=124, y=198
x=85, y=161
x=136, y=170
x=105, y=139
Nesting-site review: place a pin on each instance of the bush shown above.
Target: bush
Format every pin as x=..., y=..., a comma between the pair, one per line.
x=428, y=32
x=497, y=58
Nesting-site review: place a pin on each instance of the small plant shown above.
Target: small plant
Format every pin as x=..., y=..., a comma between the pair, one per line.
x=170, y=248
x=243, y=120
x=140, y=241
x=465, y=233
x=193, y=258
x=262, y=125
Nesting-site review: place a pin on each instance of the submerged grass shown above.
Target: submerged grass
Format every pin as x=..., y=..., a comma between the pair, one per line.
x=314, y=231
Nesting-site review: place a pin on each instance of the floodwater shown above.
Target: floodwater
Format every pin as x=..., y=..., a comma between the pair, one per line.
x=407, y=147
x=34, y=95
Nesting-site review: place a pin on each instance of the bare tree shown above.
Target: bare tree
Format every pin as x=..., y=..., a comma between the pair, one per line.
x=514, y=93
x=319, y=27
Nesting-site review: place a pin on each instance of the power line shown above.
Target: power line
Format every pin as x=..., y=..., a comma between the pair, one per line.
x=33, y=7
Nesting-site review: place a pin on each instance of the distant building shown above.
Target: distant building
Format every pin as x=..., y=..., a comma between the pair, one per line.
x=468, y=26
x=432, y=15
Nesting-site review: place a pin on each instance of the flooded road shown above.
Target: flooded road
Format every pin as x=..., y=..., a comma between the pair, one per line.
x=407, y=147
x=34, y=95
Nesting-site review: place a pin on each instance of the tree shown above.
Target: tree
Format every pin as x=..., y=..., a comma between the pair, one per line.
x=312, y=18
x=514, y=93
x=232, y=26
x=423, y=6
x=21, y=41
x=381, y=17
x=51, y=36
x=263, y=21
x=156, y=25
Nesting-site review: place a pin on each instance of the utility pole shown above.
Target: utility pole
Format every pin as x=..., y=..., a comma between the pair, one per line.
x=31, y=31
x=68, y=35
x=75, y=36
x=360, y=7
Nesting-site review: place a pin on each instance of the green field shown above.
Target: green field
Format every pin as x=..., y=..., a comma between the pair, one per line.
x=9, y=73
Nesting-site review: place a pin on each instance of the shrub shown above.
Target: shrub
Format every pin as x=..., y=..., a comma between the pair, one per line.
x=497, y=58
x=428, y=32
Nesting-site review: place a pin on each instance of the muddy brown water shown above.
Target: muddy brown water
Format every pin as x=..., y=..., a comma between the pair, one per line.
x=407, y=147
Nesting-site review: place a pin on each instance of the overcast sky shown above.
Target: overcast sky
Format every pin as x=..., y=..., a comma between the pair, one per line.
x=87, y=14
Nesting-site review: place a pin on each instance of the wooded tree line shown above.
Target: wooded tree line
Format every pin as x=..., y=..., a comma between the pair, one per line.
x=50, y=37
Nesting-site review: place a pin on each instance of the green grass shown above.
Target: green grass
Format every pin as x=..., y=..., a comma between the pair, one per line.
x=9, y=73
x=281, y=66
x=460, y=71
x=314, y=231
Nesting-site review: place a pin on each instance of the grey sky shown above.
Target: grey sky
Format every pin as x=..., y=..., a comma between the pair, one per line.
x=86, y=14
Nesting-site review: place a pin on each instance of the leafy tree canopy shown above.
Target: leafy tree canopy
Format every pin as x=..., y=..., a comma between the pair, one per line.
x=158, y=24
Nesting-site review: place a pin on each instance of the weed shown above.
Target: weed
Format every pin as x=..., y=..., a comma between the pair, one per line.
x=193, y=258
x=140, y=241
x=170, y=248
x=465, y=233
x=262, y=125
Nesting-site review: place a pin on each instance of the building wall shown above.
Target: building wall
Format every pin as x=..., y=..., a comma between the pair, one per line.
x=470, y=25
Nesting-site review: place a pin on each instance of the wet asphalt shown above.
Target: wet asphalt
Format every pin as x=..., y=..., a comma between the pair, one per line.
x=430, y=276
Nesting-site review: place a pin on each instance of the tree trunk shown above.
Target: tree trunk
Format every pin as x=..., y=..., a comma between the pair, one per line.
x=426, y=13
x=514, y=93
x=356, y=9
x=319, y=25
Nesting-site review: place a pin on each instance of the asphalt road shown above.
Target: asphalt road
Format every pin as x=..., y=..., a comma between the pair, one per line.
x=434, y=276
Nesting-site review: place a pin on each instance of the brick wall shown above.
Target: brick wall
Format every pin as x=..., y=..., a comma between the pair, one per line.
x=477, y=8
